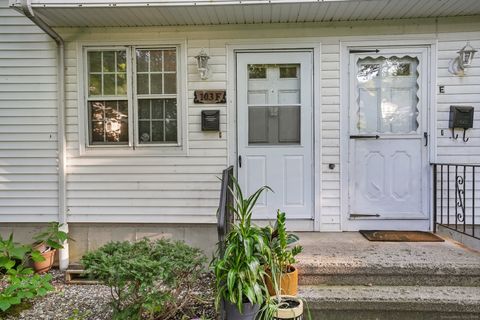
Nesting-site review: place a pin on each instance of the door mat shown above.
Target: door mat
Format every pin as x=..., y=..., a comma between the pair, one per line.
x=400, y=236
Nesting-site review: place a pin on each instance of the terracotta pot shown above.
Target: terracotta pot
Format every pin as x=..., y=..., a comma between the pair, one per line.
x=293, y=312
x=42, y=247
x=288, y=283
x=44, y=266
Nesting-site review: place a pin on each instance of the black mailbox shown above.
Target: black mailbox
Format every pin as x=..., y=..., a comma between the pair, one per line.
x=210, y=120
x=461, y=117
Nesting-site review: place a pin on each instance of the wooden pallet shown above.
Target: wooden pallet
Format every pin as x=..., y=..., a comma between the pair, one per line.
x=76, y=275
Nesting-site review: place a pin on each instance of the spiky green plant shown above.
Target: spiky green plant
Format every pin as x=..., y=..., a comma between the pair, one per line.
x=240, y=272
x=280, y=243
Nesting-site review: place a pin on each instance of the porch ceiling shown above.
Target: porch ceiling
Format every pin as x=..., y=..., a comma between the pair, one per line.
x=132, y=13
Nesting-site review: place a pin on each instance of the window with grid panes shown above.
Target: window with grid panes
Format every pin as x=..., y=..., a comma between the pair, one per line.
x=153, y=102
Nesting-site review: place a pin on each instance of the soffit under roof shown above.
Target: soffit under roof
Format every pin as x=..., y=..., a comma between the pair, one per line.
x=134, y=13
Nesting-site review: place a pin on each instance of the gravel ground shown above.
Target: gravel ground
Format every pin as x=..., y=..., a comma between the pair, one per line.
x=90, y=302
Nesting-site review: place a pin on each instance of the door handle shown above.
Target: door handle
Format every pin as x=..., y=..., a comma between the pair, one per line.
x=239, y=161
x=425, y=135
x=365, y=136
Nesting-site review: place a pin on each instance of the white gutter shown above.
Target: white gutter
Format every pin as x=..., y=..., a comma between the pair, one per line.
x=25, y=7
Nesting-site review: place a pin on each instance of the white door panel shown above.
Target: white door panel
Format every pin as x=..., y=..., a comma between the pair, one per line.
x=275, y=131
x=388, y=167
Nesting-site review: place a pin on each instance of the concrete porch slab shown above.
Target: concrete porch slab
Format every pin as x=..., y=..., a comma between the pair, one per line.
x=347, y=258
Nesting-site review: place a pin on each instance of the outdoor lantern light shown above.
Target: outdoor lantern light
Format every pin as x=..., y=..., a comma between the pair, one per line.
x=463, y=60
x=202, y=64
x=466, y=54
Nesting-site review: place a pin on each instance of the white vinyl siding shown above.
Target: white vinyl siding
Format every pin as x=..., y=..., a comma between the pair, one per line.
x=28, y=121
x=459, y=90
x=153, y=187
x=185, y=188
x=122, y=186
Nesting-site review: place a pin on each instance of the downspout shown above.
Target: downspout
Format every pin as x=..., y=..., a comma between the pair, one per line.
x=25, y=7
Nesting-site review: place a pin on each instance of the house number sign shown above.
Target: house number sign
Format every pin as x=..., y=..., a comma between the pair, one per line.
x=210, y=96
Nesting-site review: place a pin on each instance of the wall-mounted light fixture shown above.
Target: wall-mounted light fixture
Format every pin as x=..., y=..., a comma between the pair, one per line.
x=202, y=64
x=463, y=60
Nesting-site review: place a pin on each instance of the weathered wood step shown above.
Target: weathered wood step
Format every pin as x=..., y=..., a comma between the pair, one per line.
x=392, y=302
x=76, y=275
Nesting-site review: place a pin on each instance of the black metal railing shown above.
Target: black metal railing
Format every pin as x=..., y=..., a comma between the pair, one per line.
x=224, y=219
x=455, y=198
x=224, y=214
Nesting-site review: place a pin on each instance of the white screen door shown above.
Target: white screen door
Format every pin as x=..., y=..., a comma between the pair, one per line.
x=275, y=138
x=388, y=167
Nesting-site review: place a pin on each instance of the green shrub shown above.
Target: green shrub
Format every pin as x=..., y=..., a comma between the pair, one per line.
x=152, y=279
x=22, y=284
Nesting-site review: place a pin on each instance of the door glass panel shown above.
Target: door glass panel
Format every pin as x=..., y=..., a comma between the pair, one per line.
x=387, y=95
x=274, y=125
x=274, y=104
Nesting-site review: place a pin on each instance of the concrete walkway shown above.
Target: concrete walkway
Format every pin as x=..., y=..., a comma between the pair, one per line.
x=344, y=276
x=349, y=256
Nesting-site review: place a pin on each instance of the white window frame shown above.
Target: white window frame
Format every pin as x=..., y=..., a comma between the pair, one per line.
x=133, y=147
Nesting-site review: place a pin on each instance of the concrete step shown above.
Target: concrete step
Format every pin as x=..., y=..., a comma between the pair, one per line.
x=349, y=259
x=392, y=302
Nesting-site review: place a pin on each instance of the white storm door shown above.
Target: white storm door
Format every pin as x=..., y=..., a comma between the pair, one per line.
x=388, y=166
x=275, y=134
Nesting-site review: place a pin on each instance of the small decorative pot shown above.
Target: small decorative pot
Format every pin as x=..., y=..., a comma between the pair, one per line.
x=44, y=266
x=249, y=311
x=291, y=309
x=288, y=283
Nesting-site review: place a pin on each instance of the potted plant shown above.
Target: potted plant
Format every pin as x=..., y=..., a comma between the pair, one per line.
x=46, y=245
x=283, y=256
x=240, y=271
x=281, y=306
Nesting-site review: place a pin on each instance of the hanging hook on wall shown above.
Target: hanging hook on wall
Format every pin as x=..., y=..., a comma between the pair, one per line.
x=454, y=136
x=464, y=131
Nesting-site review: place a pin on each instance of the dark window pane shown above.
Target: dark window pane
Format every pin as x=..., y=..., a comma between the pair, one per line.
x=95, y=85
x=171, y=131
x=156, y=84
x=157, y=131
x=157, y=109
x=142, y=60
x=144, y=109
x=171, y=109
x=170, y=60
x=114, y=126
x=170, y=83
x=121, y=61
x=274, y=125
x=97, y=131
x=124, y=131
x=94, y=61
x=155, y=60
x=142, y=84
x=111, y=110
x=108, y=61
x=288, y=72
x=144, y=131
x=109, y=84
x=97, y=111
x=121, y=84
x=123, y=108
x=257, y=71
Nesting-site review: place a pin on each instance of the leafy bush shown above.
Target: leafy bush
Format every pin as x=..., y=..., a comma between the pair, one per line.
x=21, y=282
x=147, y=278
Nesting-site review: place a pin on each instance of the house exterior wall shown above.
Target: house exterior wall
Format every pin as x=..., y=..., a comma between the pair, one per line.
x=115, y=187
x=184, y=188
x=28, y=121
